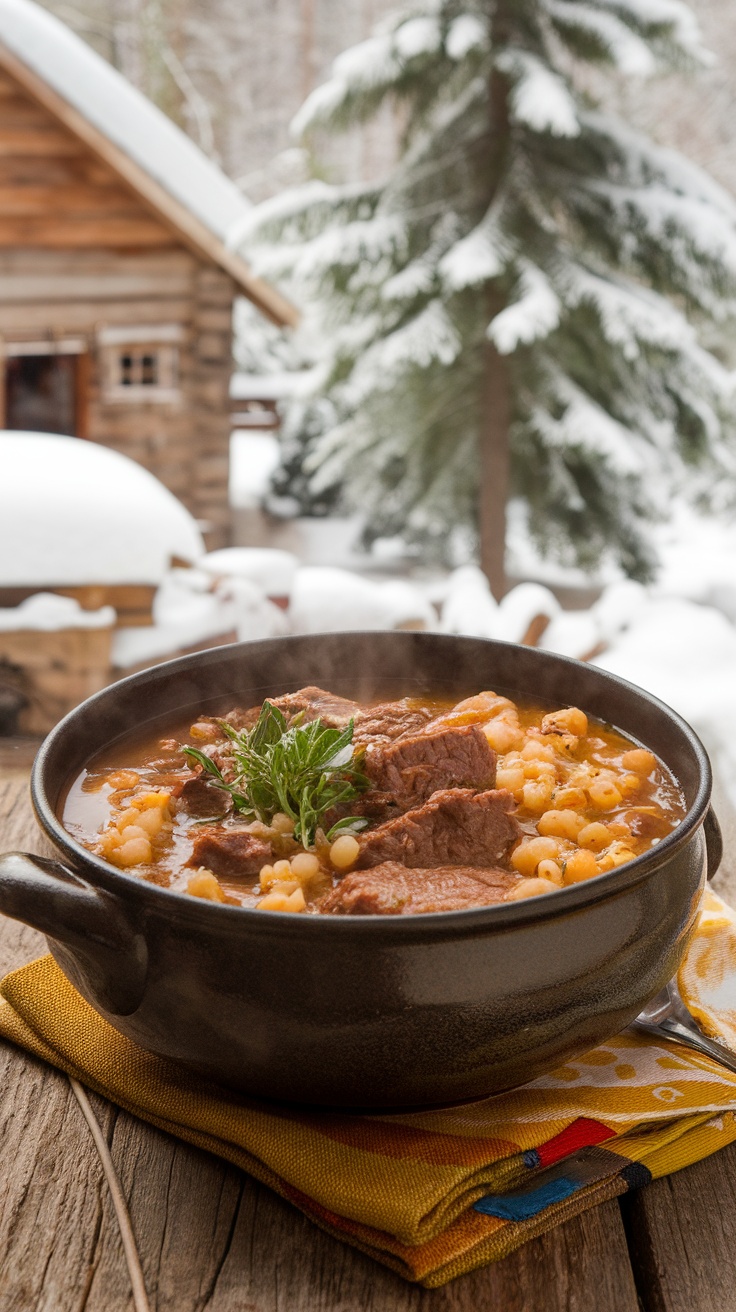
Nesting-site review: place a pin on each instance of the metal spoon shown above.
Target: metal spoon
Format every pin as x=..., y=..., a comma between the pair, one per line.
x=667, y=1017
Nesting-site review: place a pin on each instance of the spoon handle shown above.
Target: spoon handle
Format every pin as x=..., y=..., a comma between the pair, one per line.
x=669, y=1028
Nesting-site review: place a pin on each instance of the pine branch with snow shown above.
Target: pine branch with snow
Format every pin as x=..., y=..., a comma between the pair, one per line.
x=523, y=225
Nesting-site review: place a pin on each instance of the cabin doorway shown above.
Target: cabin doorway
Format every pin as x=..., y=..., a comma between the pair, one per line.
x=45, y=391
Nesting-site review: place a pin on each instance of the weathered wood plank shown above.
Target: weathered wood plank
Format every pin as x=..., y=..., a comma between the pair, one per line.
x=211, y=1239
x=88, y=262
x=59, y=170
x=124, y=229
x=90, y=287
x=79, y=650
x=18, y=832
x=682, y=1237
x=54, y=1203
x=16, y=757
x=34, y=200
x=40, y=140
x=87, y=209
x=66, y=316
x=20, y=112
x=277, y=1261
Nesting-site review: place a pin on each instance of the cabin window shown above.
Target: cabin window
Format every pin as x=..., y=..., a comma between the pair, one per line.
x=43, y=387
x=140, y=365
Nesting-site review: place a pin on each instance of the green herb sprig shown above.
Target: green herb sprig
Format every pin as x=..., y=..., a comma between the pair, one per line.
x=303, y=770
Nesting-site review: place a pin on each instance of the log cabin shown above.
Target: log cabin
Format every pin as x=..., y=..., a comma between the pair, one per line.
x=118, y=271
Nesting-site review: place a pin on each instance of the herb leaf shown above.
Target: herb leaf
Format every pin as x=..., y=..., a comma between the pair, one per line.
x=303, y=770
x=350, y=824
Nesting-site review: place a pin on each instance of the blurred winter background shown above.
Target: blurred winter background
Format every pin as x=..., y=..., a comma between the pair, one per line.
x=495, y=395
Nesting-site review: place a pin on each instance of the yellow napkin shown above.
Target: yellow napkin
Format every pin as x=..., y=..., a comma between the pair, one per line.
x=433, y=1194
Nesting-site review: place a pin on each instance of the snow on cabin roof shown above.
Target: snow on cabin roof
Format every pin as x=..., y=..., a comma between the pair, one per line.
x=73, y=513
x=47, y=57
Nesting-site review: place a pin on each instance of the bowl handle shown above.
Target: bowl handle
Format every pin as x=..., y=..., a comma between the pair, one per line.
x=713, y=841
x=93, y=937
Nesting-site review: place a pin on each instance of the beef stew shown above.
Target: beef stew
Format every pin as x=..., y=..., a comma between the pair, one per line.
x=312, y=803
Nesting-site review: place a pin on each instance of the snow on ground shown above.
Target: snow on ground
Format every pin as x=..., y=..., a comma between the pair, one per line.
x=48, y=612
x=76, y=512
x=326, y=599
x=685, y=653
x=698, y=556
x=268, y=568
x=192, y=607
x=253, y=459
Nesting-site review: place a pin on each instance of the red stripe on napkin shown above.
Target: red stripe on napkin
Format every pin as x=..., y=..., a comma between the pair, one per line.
x=580, y=1134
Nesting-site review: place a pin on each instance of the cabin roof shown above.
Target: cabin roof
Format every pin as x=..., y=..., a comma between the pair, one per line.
x=135, y=138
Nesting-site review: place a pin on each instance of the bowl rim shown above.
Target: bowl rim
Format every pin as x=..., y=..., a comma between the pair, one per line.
x=498, y=915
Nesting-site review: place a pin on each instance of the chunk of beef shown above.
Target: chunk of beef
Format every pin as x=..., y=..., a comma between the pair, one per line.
x=313, y=704
x=316, y=704
x=454, y=828
x=373, y=806
x=412, y=768
x=202, y=798
x=388, y=721
x=241, y=717
x=229, y=853
x=391, y=890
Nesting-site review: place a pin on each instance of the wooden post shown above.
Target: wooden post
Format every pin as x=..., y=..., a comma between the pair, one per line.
x=494, y=471
x=82, y=383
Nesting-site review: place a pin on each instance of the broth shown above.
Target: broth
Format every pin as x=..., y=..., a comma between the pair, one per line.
x=569, y=799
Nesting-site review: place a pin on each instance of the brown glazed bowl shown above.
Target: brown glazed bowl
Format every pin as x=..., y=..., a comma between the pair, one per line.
x=361, y=1011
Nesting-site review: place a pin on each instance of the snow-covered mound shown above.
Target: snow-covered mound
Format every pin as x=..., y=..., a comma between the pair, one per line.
x=698, y=558
x=470, y=608
x=47, y=612
x=268, y=568
x=74, y=512
x=190, y=609
x=685, y=653
x=327, y=600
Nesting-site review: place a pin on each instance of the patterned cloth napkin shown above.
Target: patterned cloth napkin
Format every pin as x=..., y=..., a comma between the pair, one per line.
x=433, y=1194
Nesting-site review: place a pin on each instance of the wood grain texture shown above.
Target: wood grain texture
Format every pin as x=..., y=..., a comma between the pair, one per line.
x=276, y=1262
x=181, y=223
x=95, y=263
x=682, y=1234
x=37, y=141
x=210, y=1238
x=80, y=229
x=83, y=210
x=94, y=287
x=86, y=316
x=32, y=199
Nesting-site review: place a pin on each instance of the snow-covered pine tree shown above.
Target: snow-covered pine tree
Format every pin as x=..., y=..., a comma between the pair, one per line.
x=514, y=308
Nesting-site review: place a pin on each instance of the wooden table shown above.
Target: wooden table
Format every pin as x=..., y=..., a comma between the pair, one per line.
x=213, y=1240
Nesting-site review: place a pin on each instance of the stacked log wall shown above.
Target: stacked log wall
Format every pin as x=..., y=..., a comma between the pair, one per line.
x=211, y=371
x=58, y=671
x=79, y=252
